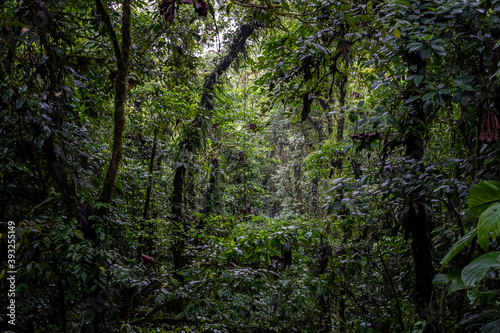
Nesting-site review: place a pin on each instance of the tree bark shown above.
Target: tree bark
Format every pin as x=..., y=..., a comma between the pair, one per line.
x=416, y=223
x=122, y=64
x=211, y=195
x=150, y=180
x=341, y=120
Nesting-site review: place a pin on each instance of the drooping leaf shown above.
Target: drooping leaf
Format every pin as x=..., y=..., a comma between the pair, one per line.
x=418, y=79
x=426, y=53
x=482, y=195
x=438, y=98
x=475, y=271
x=466, y=86
x=79, y=234
x=491, y=327
x=488, y=221
x=440, y=50
x=453, y=277
x=457, y=247
x=480, y=317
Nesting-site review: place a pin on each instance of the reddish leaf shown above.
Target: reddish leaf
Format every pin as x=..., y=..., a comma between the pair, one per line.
x=147, y=259
x=253, y=127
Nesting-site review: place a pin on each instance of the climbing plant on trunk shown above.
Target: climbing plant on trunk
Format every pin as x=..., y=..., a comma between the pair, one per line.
x=194, y=138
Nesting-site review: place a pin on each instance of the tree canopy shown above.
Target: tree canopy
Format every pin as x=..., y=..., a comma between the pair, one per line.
x=250, y=166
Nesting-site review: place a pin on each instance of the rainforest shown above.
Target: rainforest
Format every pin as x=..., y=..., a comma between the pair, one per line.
x=250, y=166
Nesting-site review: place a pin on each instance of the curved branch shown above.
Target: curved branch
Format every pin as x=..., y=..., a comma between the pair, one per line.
x=109, y=27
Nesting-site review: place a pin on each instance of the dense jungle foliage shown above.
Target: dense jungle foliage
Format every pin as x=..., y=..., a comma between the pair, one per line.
x=250, y=165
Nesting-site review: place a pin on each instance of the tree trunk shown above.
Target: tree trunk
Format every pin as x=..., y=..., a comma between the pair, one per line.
x=341, y=120
x=122, y=64
x=298, y=198
x=416, y=223
x=150, y=180
x=193, y=139
x=211, y=195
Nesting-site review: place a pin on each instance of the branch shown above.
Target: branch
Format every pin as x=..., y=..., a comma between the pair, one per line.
x=126, y=37
x=109, y=28
x=393, y=288
x=237, y=47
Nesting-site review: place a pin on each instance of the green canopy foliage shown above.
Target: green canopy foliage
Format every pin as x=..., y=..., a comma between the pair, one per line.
x=250, y=165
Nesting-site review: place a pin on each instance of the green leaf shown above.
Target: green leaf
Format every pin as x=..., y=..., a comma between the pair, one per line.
x=47, y=242
x=481, y=316
x=453, y=277
x=20, y=102
x=439, y=99
x=491, y=327
x=488, y=221
x=415, y=46
x=285, y=5
x=466, y=86
x=428, y=96
x=211, y=8
x=411, y=99
x=79, y=234
x=457, y=247
x=13, y=24
x=475, y=271
x=441, y=279
x=418, y=79
x=483, y=195
x=320, y=289
x=424, y=54
x=438, y=48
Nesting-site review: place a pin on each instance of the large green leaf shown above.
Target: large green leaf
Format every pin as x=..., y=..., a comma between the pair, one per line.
x=457, y=247
x=491, y=327
x=482, y=195
x=453, y=277
x=488, y=221
x=474, y=272
x=480, y=317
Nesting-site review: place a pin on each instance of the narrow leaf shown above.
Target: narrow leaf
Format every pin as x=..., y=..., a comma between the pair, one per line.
x=457, y=247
